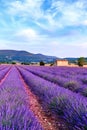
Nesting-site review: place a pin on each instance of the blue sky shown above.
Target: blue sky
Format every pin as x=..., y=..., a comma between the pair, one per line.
x=51, y=27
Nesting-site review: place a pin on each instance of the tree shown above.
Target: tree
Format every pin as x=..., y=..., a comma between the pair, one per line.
x=42, y=63
x=13, y=62
x=81, y=61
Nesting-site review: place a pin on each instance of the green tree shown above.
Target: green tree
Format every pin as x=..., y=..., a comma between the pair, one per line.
x=42, y=63
x=13, y=62
x=81, y=61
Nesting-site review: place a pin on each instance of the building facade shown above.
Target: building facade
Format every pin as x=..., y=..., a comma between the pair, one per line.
x=61, y=63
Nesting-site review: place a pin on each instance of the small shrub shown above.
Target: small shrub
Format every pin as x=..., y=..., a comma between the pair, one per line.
x=57, y=105
x=13, y=63
x=84, y=81
x=84, y=92
x=42, y=63
x=72, y=85
x=81, y=61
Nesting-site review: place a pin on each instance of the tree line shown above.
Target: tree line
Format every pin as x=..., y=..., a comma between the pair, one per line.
x=81, y=61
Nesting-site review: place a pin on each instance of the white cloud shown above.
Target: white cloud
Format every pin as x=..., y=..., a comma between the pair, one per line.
x=28, y=33
x=80, y=45
x=84, y=22
x=4, y=44
x=28, y=8
x=71, y=14
x=21, y=33
x=30, y=36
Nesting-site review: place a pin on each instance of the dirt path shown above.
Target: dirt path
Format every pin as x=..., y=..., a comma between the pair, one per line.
x=48, y=122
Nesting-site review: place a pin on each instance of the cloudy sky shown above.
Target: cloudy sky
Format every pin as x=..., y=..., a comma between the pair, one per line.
x=51, y=27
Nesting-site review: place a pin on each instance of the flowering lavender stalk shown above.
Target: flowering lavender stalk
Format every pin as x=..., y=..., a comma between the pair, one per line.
x=3, y=72
x=76, y=83
x=69, y=105
x=14, y=111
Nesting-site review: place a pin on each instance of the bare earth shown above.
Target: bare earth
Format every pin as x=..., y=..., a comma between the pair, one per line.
x=47, y=120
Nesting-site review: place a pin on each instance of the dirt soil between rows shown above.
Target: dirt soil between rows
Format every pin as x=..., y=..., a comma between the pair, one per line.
x=47, y=121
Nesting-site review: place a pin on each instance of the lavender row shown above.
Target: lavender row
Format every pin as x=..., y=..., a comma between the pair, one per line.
x=72, y=73
x=4, y=72
x=62, y=102
x=71, y=84
x=55, y=79
x=65, y=72
x=2, y=67
x=14, y=111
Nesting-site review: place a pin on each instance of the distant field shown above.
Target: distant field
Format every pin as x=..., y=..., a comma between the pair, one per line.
x=43, y=98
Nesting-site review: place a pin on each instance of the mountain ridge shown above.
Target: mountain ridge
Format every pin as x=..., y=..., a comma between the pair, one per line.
x=7, y=55
x=24, y=56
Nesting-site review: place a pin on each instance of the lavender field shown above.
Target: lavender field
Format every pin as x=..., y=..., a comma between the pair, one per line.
x=31, y=96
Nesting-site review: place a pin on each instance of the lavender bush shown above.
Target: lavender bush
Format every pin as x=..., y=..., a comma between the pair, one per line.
x=69, y=105
x=3, y=72
x=74, y=83
x=14, y=111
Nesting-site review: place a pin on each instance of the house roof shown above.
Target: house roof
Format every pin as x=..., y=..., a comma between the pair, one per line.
x=61, y=60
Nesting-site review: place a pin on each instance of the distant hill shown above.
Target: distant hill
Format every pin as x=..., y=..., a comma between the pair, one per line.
x=72, y=60
x=24, y=56
x=27, y=57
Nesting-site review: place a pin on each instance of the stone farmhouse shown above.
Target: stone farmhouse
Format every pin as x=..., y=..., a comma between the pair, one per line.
x=63, y=62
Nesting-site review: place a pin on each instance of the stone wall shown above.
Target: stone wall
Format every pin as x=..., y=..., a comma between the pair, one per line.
x=62, y=63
